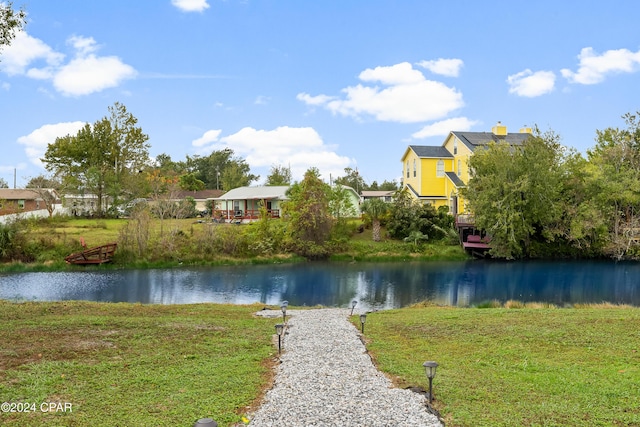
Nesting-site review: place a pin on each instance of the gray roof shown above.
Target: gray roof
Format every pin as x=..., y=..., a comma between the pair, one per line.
x=256, y=193
x=198, y=195
x=455, y=179
x=474, y=140
x=23, y=193
x=431, y=151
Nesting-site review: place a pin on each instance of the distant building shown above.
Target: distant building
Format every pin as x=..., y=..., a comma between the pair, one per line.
x=200, y=197
x=384, y=195
x=243, y=203
x=15, y=201
x=435, y=174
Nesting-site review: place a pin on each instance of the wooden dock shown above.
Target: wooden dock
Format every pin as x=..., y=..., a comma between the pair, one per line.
x=473, y=240
x=97, y=255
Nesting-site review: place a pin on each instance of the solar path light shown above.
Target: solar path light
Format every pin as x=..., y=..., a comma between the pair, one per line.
x=279, y=329
x=430, y=371
x=283, y=307
x=363, y=318
x=353, y=305
x=205, y=422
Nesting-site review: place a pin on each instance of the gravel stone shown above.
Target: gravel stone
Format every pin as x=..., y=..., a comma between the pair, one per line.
x=326, y=378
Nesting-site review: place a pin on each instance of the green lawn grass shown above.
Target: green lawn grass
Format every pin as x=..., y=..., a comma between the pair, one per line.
x=516, y=367
x=132, y=364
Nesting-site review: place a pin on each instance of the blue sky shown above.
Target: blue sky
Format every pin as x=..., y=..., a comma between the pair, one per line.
x=330, y=84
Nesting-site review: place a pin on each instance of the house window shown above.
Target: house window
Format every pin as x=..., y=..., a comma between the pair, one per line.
x=455, y=146
x=414, y=168
x=21, y=204
x=459, y=167
x=440, y=168
x=407, y=168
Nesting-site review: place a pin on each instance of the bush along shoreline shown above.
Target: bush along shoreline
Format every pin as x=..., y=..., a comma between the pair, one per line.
x=42, y=245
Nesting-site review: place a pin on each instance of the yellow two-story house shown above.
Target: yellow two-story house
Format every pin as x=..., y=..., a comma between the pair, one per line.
x=435, y=174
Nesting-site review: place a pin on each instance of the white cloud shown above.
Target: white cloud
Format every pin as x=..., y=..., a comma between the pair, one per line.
x=86, y=73
x=407, y=98
x=25, y=50
x=594, y=68
x=301, y=147
x=530, y=84
x=209, y=137
x=36, y=142
x=443, y=127
x=83, y=45
x=262, y=100
x=5, y=86
x=317, y=100
x=190, y=5
x=399, y=74
x=445, y=67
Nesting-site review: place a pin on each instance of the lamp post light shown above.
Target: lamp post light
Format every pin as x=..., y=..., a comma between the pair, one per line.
x=279, y=329
x=430, y=371
x=363, y=318
x=283, y=307
x=353, y=305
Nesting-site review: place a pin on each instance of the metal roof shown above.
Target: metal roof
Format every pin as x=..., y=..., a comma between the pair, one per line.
x=256, y=193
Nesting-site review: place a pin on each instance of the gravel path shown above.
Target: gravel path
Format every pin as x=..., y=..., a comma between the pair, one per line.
x=326, y=378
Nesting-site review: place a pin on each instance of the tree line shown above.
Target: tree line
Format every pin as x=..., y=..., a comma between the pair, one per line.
x=110, y=159
x=541, y=199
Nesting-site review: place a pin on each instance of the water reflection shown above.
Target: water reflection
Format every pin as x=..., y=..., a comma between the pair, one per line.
x=376, y=286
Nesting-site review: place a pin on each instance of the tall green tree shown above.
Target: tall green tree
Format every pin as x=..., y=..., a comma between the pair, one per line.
x=515, y=193
x=279, y=175
x=3, y=183
x=385, y=186
x=614, y=182
x=221, y=170
x=237, y=174
x=11, y=21
x=375, y=209
x=105, y=159
x=309, y=220
x=189, y=182
x=353, y=179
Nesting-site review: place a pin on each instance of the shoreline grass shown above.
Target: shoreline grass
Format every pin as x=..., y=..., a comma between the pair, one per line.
x=133, y=364
x=188, y=242
x=514, y=365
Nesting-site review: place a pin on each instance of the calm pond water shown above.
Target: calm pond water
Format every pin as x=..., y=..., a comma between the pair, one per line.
x=375, y=286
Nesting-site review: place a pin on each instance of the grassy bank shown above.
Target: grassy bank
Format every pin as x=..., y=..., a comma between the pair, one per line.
x=131, y=364
x=43, y=244
x=517, y=367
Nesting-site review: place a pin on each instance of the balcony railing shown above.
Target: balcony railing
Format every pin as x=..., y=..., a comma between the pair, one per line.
x=246, y=214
